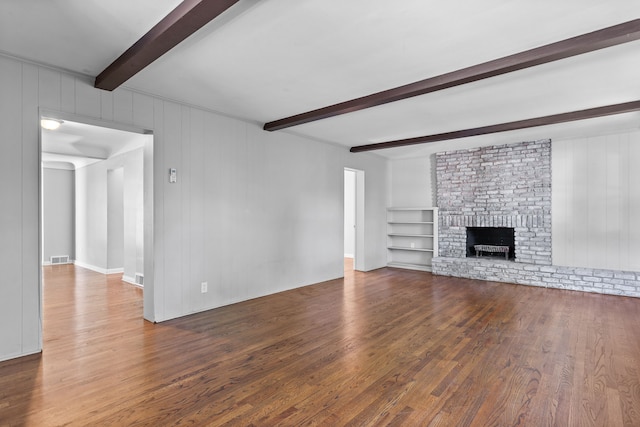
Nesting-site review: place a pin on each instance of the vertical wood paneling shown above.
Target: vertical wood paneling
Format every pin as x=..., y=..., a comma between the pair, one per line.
x=106, y=105
x=214, y=208
x=561, y=166
x=49, y=88
x=31, y=341
x=596, y=208
x=196, y=220
x=594, y=220
x=612, y=203
x=633, y=227
x=11, y=225
x=88, y=102
x=580, y=206
x=67, y=93
x=189, y=288
x=143, y=111
x=173, y=211
x=123, y=106
x=625, y=202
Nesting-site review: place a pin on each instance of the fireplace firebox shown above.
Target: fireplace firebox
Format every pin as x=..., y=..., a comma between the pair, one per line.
x=493, y=242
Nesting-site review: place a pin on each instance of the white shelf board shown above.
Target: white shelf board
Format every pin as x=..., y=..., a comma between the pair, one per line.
x=409, y=235
x=420, y=267
x=402, y=248
x=410, y=209
x=410, y=222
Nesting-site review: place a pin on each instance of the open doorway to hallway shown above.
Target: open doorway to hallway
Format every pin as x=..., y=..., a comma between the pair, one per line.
x=96, y=201
x=353, y=219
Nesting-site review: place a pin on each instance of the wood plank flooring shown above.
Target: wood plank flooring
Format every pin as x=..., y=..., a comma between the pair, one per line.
x=389, y=348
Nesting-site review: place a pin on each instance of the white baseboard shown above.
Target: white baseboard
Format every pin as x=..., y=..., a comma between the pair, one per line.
x=98, y=269
x=90, y=267
x=10, y=356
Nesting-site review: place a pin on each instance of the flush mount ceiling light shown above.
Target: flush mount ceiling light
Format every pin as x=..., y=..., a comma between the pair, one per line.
x=50, y=124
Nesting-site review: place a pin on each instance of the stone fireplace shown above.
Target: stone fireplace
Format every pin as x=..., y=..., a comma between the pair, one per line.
x=508, y=187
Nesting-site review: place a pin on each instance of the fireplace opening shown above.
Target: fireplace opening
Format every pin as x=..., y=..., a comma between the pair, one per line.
x=492, y=242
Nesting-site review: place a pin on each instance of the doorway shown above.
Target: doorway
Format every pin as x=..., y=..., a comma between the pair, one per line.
x=354, y=219
x=110, y=201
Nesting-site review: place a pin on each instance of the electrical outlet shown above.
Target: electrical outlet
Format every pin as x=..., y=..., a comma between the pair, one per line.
x=204, y=287
x=413, y=245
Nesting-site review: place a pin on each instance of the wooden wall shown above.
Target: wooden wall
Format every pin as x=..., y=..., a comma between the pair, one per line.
x=253, y=213
x=596, y=202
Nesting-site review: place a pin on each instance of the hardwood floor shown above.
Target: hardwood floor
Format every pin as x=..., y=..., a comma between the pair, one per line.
x=389, y=347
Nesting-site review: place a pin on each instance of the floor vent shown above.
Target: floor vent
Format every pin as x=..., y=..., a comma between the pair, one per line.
x=139, y=279
x=60, y=259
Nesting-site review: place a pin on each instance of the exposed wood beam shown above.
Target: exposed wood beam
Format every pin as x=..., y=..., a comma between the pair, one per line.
x=610, y=36
x=589, y=113
x=180, y=23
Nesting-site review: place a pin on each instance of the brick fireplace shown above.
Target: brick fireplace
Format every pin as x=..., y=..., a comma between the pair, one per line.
x=498, y=186
x=509, y=186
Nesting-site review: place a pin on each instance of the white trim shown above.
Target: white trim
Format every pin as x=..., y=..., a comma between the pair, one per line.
x=87, y=120
x=131, y=281
x=16, y=355
x=66, y=166
x=348, y=255
x=90, y=267
x=98, y=269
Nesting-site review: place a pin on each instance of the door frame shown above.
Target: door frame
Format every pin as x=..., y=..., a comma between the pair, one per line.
x=148, y=203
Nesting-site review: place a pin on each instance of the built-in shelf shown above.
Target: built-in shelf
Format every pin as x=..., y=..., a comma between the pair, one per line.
x=401, y=248
x=409, y=266
x=411, y=222
x=412, y=237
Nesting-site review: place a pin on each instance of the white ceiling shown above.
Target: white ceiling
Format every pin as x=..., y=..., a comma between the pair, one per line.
x=269, y=59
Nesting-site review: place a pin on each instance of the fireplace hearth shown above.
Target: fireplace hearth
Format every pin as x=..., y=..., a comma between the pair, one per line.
x=492, y=242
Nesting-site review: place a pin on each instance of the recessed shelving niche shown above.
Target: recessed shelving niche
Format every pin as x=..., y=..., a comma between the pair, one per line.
x=412, y=237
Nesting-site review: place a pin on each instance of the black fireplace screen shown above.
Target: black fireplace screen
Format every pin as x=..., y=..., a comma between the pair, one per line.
x=494, y=242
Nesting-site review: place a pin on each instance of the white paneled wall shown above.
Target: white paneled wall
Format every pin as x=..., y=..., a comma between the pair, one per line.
x=596, y=202
x=253, y=212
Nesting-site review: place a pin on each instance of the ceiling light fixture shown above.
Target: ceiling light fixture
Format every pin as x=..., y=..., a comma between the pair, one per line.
x=50, y=124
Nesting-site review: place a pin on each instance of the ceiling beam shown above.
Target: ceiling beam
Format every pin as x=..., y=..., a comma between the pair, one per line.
x=180, y=23
x=607, y=37
x=589, y=113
